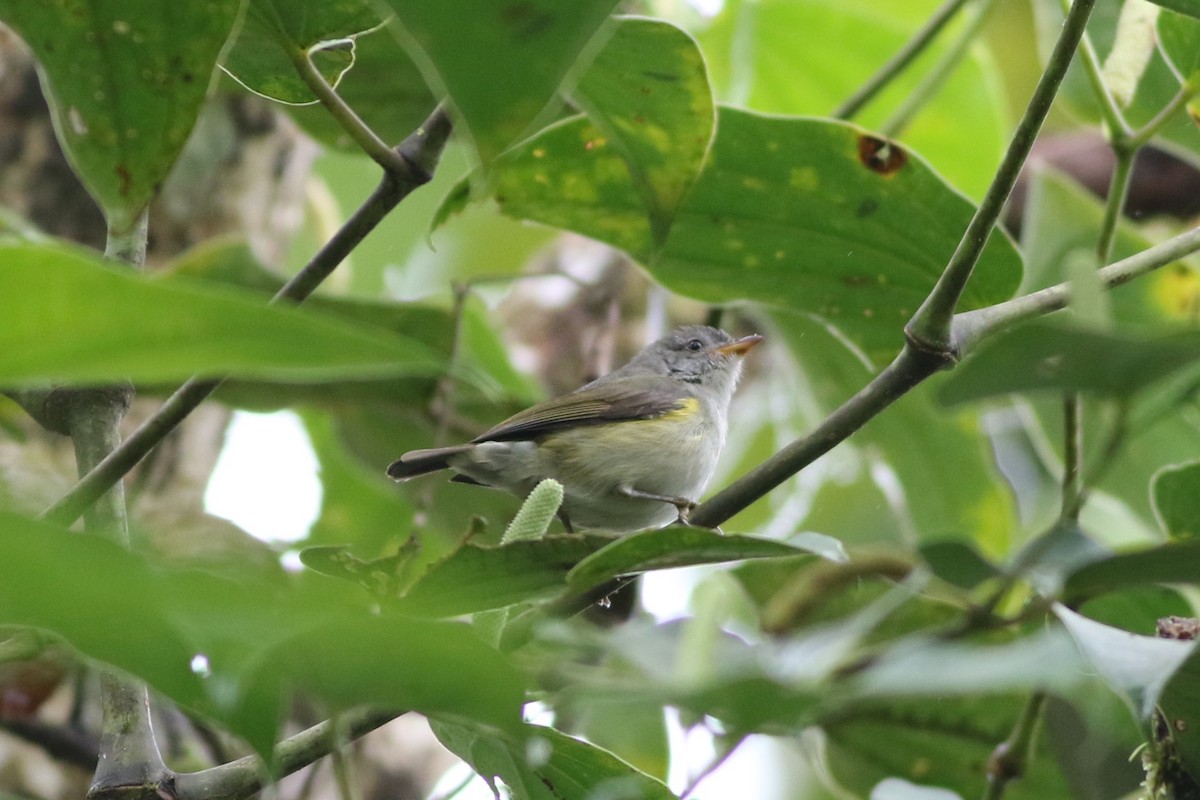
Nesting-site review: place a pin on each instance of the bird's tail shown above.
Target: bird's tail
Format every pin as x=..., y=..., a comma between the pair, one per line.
x=419, y=462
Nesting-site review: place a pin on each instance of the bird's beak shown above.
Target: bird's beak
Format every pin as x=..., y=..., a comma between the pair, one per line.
x=739, y=347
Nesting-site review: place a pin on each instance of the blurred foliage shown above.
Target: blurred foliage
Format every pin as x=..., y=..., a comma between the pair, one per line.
x=893, y=608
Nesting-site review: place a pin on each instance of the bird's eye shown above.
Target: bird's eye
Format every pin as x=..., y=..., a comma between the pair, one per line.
x=695, y=345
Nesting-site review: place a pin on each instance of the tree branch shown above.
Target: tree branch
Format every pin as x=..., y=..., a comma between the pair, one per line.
x=930, y=326
x=239, y=779
x=908, y=369
x=972, y=326
x=419, y=154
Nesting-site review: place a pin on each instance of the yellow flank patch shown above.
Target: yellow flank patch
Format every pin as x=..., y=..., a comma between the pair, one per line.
x=683, y=409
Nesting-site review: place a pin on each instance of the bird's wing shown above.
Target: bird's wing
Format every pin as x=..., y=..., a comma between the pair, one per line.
x=590, y=405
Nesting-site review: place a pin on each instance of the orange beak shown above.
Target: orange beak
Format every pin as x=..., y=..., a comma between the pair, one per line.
x=739, y=347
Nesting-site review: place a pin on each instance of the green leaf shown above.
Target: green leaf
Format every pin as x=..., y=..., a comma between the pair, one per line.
x=804, y=214
x=1178, y=705
x=1189, y=7
x=1177, y=562
x=633, y=731
x=125, y=82
x=326, y=31
x=924, y=666
x=958, y=563
x=500, y=64
x=258, y=640
x=1048, y=560
x=1179, y=36
x=72, y=317
x=675, y=546
x=543, y=764
x=648, y=91
x=1175, y=491
x=1136, y=667
x=1051, y=355
x=943, y=743
x=478, y=577
x=774, y=56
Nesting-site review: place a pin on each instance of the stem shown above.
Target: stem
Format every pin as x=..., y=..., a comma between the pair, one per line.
x=240, y=779
x=930, y=326
x=1114, y=118
x=1072, y=484
x=1108, y=454
x=419, y=155
x=351, y=123
x=972, y=326
x=1011, y=758
x=897, y=63
x=937, y=76
x=129, y=763
x=1144, y=134
x=910, y=368
x=1114, y=206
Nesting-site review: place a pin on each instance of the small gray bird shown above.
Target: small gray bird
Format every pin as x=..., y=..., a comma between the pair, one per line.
x=633, y=449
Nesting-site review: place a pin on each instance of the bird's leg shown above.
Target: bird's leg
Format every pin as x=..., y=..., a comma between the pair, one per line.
x=565, y=520
x=682, y=504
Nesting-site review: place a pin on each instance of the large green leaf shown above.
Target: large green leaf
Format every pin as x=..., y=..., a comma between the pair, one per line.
x=1175, y=491
x=775, y=56
x=69, y=316
x=1050, y=355
x=1189, y=7
x=543, y=764
x=256, y=641
x=475, y=577
x=1169, y=563
x=648, y=92
x=500, y=64
x=805, y=214
x=672, y=547
x=944, y=743
x=125, y=81
x=323, y=30
x=1136, y=667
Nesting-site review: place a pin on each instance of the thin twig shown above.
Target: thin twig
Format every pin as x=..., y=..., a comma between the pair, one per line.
x=942, y=70
x=930, y=326
x=1144, y=134
x=240, y=779
x=1072, y=477
x=897, y=63
x=908, y=369
x=1114, y=118
x=1011, y=758
x=420, y=153
x=972, y=326
x=351, y=123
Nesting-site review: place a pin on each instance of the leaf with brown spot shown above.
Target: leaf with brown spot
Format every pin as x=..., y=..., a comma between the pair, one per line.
x=880, y=155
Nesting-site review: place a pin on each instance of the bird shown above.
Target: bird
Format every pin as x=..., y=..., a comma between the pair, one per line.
x=632, y=449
